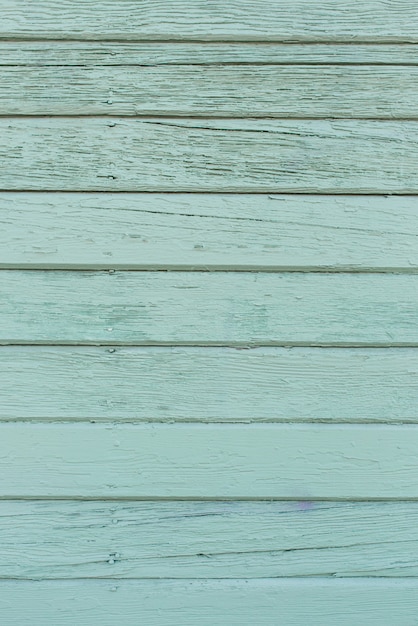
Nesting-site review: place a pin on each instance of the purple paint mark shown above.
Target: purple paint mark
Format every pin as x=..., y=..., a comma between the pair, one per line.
x=305, y=505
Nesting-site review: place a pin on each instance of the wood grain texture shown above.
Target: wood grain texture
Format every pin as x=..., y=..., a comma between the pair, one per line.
x=213, y=231
x=62, y=539
x=235, y=91
x=163, y=154
x=258, y=461
x=91, y=53
x=249, y=515
x=210, y=603
x=209, y=384
x=206, y=308
x=231, y=20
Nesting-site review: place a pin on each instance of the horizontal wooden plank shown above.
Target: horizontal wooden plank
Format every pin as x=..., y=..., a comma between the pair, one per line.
x=208, y=308
x=208, y=231
x=325, y=91
x=257, y=461
x=286, y=20
x=168, y=154
x=90, y=53
x=210, y=603
x=81, y=539
x=209, y=384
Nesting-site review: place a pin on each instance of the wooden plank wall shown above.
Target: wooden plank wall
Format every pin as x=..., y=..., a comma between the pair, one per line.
x=209, y=313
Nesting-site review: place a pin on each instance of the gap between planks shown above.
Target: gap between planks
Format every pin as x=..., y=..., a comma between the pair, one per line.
x=206, y=116
x=192, y=193
x=198, y=499
x=209, y=42
x=212, y=344
x=204, y=269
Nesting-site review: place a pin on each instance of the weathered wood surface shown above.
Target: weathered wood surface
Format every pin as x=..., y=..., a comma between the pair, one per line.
x=186, y=499
x=208, y=308
x=209, y=384
x=168, y=154
x=231, y=20
x=65, y=539
x=90, y=53
x=258, y=461
x=210, y=603
x=212, y=91
x=208, y=231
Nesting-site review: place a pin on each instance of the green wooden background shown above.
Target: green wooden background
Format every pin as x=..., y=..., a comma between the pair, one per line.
x=208, y=313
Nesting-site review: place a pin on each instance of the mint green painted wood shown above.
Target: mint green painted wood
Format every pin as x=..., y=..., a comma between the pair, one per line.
x=230, y=20
x=209, y=384
x=350, y=485
x=90, y=53
x=62, y=539
x=237, y=490
x=210, y=603
x=234, y=91
x=203, y=308
x=208, y=231
x=214, y=461
x=123, y=154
